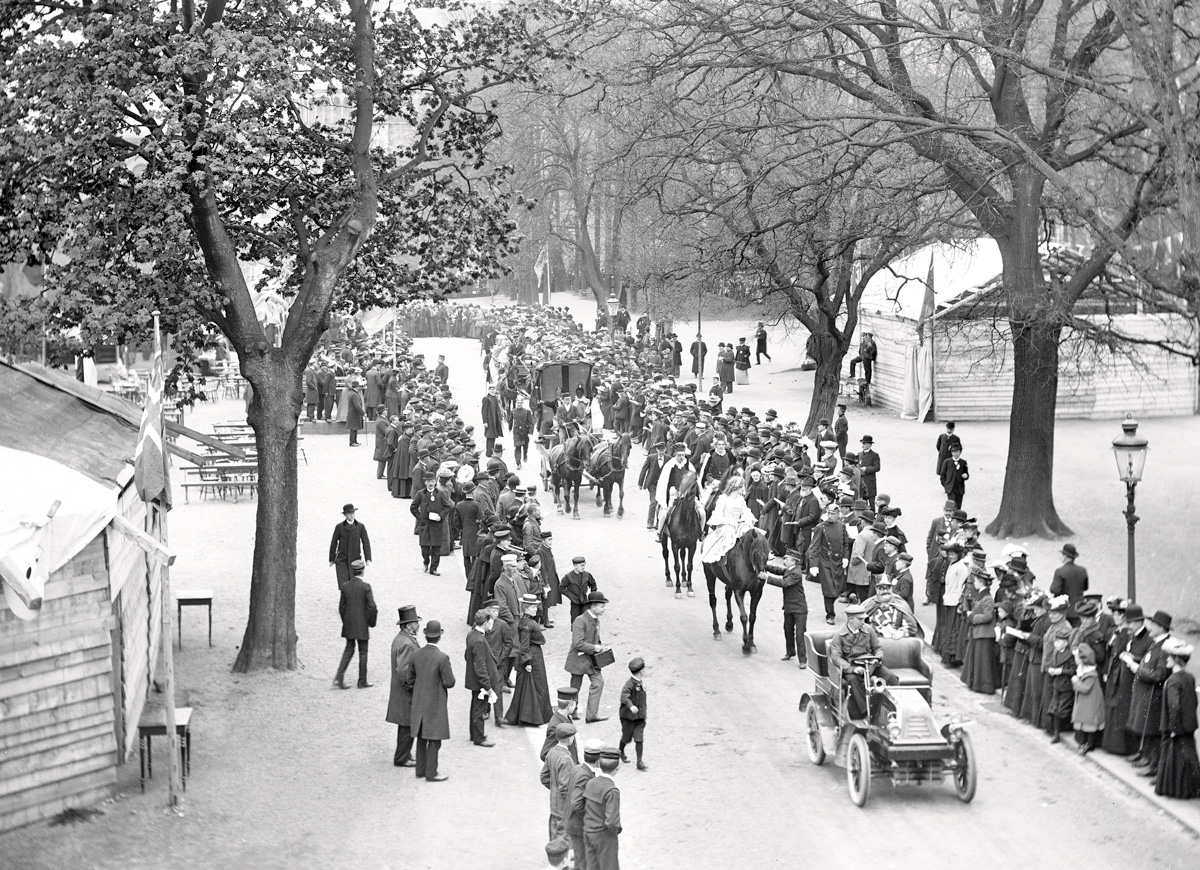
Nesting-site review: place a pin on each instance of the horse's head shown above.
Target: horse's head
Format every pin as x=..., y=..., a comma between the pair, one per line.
x=755, y=549
x=690, y=487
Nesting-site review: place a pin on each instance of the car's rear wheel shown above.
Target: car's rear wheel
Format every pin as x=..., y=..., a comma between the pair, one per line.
x=966, y=774
x=816, y=749
x=858, y=769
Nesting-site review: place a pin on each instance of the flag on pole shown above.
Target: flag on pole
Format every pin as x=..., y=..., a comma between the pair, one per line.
x=927, y=305
x=150, y=459
x=539, y=265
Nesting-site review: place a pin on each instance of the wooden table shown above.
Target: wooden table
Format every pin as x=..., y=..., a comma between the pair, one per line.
x=193, y=598
x=155, y=722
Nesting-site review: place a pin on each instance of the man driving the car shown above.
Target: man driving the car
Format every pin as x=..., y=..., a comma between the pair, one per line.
x=851, y=642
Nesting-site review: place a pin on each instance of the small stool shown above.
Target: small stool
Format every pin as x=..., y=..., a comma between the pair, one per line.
x=193, y=598
x=155, y=722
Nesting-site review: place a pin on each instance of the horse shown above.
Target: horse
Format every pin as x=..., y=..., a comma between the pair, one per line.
x=683, y=526
x=607, y=467
x=739, y=570
x=567, y=462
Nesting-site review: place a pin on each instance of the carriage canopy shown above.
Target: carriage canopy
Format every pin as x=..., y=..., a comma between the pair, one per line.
x=560, y=378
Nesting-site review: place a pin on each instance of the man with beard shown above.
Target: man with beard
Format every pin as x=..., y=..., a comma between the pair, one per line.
x=400, y=698
x=431, y=508
x=827, y=558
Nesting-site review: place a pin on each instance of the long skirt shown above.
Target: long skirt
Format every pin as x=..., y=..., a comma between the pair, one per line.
x=1178, y=768
x=1046, y=722
x=979, y=666
x=530, y=702
x=951, y=626
x=741, y=376
x=1031, y=705
x=1014, y=695
x=1117, y=740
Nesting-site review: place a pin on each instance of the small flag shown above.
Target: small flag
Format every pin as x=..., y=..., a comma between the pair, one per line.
x=539, y=265
x=150, y=459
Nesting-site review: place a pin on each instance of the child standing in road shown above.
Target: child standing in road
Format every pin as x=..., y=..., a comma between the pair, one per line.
x=633, y=711
x=1087, y=714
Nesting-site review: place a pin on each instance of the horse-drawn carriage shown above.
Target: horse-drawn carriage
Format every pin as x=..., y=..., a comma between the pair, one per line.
x=553, y=380
x=898, y=738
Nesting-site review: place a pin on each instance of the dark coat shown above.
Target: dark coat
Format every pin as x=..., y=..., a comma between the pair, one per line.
x=556, y=719
x=384, y=444
x=633, y=694
x=470, y=516
x=794, y=599
x=805, y=518
x=1146, y=703
x=374, y=388
x=575, y=586
x=830, y=545
x=1179, y=704
x=954, y=477
x=310, y=386
x=870, y=465
x=493, y=420
x=326, y=382
x=944, y=442
x=651, y=471
x=481, y=670
x=1070, y=580
x=428, y=675
x=585, y=642
x=354, y=410
x=349, y=542
x=357, y=609
x=399, y=696
x=435, y=503
x=983, y=616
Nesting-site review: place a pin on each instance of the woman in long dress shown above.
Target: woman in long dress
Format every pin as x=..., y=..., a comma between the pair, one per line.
x=1031, y=704
x=731, y=519
x=979, y=668
x=1178, y=767
x=741, y=362
x=530, y=703
x=1014, y=695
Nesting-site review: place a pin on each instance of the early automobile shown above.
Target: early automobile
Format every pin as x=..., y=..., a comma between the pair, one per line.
x=898, y=738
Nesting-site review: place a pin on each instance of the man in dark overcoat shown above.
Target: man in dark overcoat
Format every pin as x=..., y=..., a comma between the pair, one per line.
x=431, y=508
x=795, y=604
x=383, y=444
x=1070, y=579
x=502, y=644
x=1145, y=707
x=481, y=677
x=954, y=474
x=358, y=611
x=326, y=391
x=374, y=395
x=350, y=543
x=575, y=586
x=428, y=675
x=648, y=478
x=310, y=391
x=401, y=460
x=470, y=520
x=827, y=558
x=493, y=419
x=354, y=411
x=399, y=697
x=869, y=466
x=522, y=429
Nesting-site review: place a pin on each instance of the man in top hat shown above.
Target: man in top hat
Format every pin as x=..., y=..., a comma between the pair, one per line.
x=358, y=612
x=481, y=676
x=575, y=586
x=1070, y=579
x=428, y=675
x=399, y=711
x=954, y=475
x=585, y=644
x=1145, y=708
x=945, y=441
x=493, y=419
x=841, y=430
x=804, y=514
x=849, y=644
x=558, y=772
x=522, y=429
x=795, y=602
x=355, y=412
x=431, y=509
x=869, y=465
x=350, y=542
x=568, y=697
x=652, y=469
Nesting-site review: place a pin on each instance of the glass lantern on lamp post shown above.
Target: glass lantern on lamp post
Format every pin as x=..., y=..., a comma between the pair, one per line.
x=612, y=303
x=1130, y=452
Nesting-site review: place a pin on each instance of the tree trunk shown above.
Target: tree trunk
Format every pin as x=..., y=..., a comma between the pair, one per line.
x=1027, y=503
x=270, y=638
x=827, y=352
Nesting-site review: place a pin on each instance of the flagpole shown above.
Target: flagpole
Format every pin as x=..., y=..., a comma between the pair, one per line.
x=168, y=646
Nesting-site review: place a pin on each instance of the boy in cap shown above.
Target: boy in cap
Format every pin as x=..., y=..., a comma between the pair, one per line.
x=602, y=814
x=633, y=711
x=556, y=853
x=584, y=771
x=568, y=698
x=557, y=773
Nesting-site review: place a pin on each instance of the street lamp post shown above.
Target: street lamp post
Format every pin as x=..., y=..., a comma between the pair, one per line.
x=612, y=303
x=1130, y=452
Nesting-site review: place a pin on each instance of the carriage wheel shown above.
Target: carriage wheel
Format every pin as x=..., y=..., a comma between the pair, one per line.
x=966, y=774
x=816, y=749
x=858, y=769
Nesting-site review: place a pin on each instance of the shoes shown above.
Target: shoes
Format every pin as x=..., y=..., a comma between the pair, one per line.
x=1055, y=739
x=575, y=716
x=549, y=625
x=425, y=570
x=624, y=760
x=830, y=620
x=338, y=684
x=803, y=665
x=365, y=685
x=641, y=765
x=1140, y=762
x=1083, y=749
x=788, y=657
x=409, y=763
x=507, y=690
x=436, y=573
x=484, y=743
x=499, y=723
x=926, y=603
x=1136, y=758
x=649, y=525
x=596, y=719
x=441, y=777
x=1149, y=771
x=843, y=598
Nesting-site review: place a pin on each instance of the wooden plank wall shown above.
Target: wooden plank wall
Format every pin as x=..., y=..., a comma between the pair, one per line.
x=974, y=373
x=140, y=625
x=57, y=745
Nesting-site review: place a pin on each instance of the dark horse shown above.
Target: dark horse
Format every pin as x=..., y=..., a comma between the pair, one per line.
x=739, y=571
x=683, y=527
x=567, y=462
x=606, y=468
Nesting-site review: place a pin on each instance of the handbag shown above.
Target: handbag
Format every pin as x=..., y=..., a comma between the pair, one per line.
x=604, y=659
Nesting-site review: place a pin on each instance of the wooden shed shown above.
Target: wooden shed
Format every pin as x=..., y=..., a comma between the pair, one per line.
x=77, y=656
x=962, y=356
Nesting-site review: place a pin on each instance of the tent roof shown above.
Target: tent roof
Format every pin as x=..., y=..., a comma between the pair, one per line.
x=43, y=418
x=959, y=270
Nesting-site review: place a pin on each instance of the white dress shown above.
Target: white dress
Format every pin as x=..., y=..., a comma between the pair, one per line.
x=730, y=520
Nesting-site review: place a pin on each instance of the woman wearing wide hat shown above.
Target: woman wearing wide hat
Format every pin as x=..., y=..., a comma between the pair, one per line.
x=1178, y=774
x=979, y=665
x=530, y=704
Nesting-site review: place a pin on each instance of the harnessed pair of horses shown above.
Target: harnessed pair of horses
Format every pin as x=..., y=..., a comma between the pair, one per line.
x=683, y=527
x=603, y=461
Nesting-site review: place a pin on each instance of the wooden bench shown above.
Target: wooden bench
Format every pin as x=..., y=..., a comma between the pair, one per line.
x=193, y=598
x=155, y=722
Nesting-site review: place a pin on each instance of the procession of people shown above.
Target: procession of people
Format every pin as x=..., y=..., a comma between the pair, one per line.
x=1117, y=680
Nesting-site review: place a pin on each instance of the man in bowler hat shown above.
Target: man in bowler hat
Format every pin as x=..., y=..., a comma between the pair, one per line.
x=428, y=675
x=585, y=643
x=400, y=698
x=358, y=611
x=481, y=679
x=350, y=542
